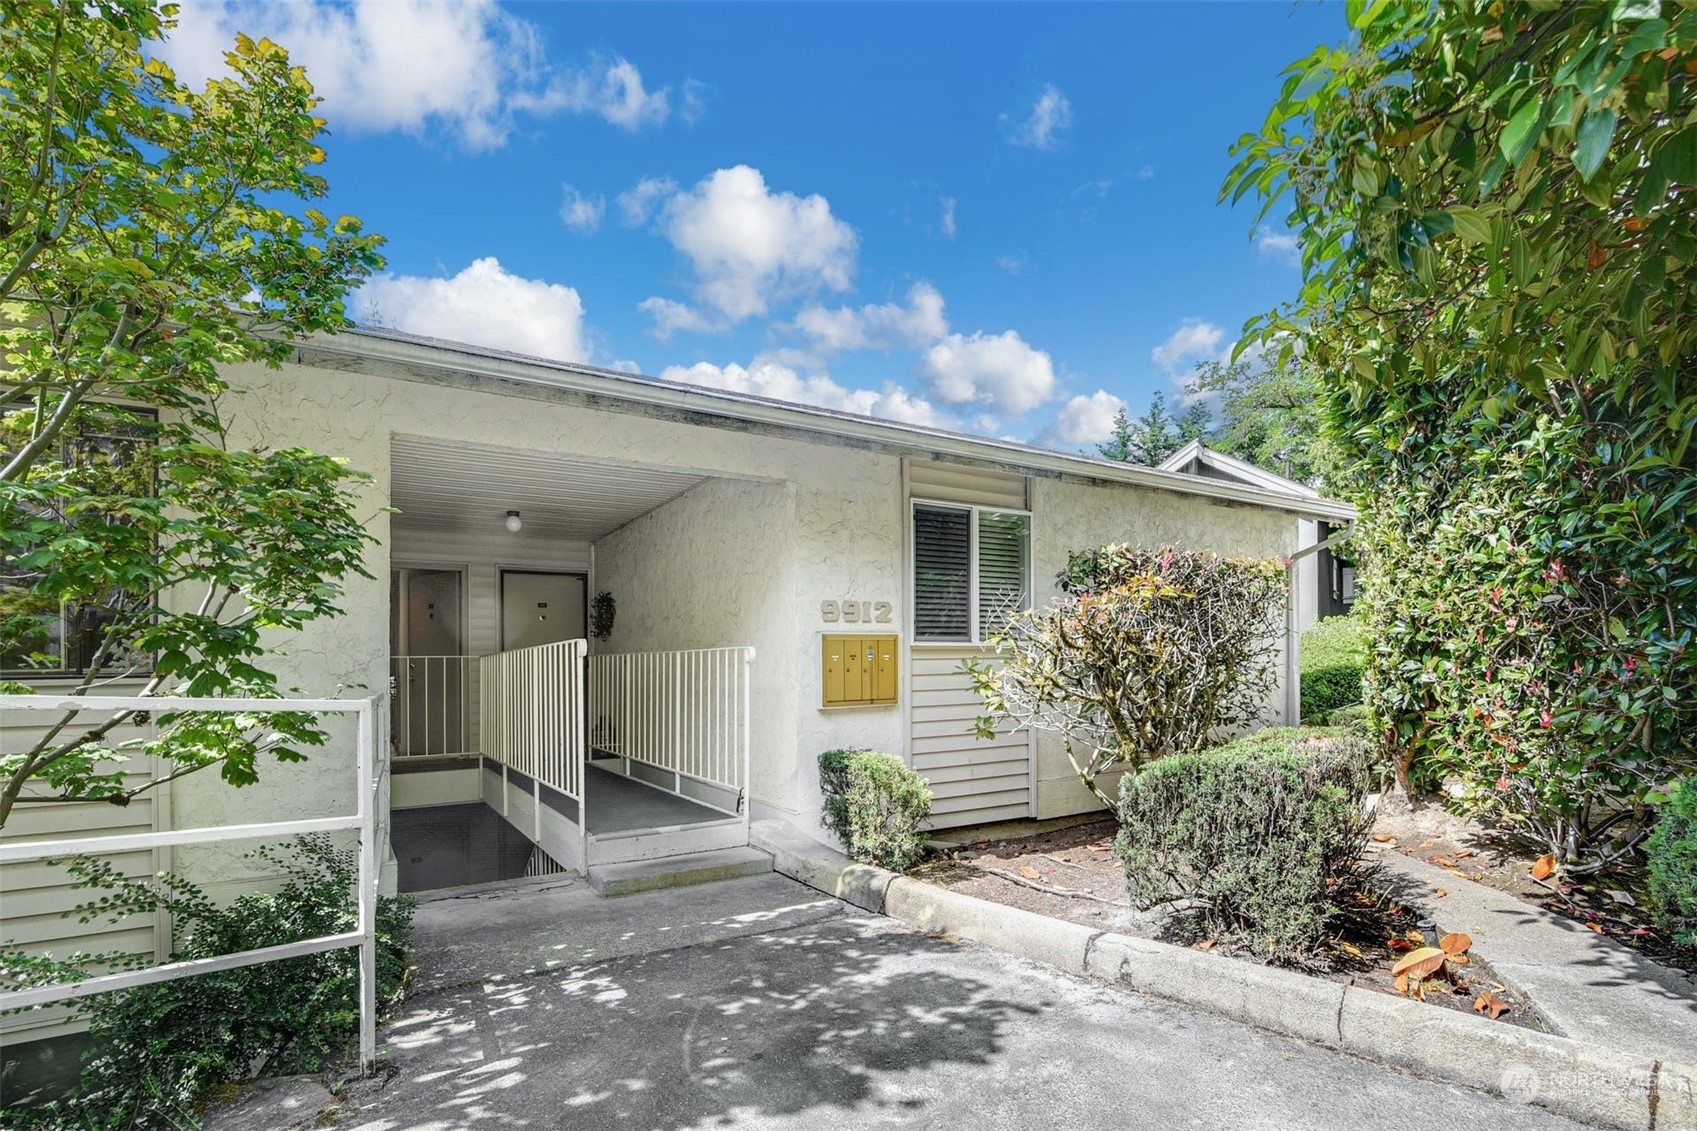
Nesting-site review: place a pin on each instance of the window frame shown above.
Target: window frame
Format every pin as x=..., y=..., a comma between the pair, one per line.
x=975, y=636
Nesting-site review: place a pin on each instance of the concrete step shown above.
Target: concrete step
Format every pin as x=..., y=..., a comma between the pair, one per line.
x=678, y=871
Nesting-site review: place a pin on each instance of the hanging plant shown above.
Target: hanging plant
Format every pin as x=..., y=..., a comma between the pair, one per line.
x=601, y=611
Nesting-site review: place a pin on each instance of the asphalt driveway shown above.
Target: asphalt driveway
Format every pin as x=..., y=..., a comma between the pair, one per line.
x=755, y=1004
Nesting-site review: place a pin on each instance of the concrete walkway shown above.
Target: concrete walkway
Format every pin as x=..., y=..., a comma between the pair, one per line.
x=1588, y=987
x=755, y=1004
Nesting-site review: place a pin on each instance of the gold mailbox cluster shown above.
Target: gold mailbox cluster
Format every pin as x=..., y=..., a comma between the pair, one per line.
x=858, y=671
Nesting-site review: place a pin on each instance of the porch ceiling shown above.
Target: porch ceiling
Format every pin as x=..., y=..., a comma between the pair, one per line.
x=441, y=485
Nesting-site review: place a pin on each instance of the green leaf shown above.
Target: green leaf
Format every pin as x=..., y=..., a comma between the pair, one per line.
x=1522, y=131
x=1591, y=144
x=1470, y=224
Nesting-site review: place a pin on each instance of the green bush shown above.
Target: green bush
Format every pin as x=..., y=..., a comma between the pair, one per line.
x=1146, y=652
x=1260, y=839
x=1671, y=855
x=875, y=805
x=1333, y=651
x=157, y=1049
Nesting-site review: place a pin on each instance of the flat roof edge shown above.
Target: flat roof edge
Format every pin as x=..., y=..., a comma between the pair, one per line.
x=434, y=354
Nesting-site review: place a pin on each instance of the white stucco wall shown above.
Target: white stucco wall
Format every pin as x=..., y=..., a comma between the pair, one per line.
x=785, y=524
x=1070, y=515
x=714, y=568
x=847, y=536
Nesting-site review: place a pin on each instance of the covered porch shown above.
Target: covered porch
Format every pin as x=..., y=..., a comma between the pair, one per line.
x=502, y=707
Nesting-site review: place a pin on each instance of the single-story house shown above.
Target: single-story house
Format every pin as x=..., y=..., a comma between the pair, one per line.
x=757, y=582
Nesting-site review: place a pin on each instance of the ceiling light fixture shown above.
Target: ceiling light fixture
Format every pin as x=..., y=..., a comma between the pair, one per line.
x=514, y=523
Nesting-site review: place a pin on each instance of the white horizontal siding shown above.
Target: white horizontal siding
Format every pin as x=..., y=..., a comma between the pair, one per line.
x=954, y=483
x=35, y=895
x=973, y=780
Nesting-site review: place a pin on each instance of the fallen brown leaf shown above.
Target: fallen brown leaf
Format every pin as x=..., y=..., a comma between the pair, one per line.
x=1598, y=927
x=1455, y=943
x=1400, y=944
x=1443, y=861
x=1441, y=892
x=1416, y=938
x=1490, y=1004
x=1421, y=963
x=1465, y=853
x=1401, y=983
x=1543, y=866
x=1384, y=838
x=1206, y=944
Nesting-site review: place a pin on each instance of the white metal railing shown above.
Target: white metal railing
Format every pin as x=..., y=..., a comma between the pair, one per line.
x=531, y=712
x=369, y=719
x=435, y=704
x=683, y=712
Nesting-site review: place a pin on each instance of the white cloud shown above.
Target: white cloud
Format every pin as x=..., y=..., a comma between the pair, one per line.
x=1014, y=264
x=579, y=212
x=750, y=246
x=999, y=371
x=613, y=89
x=1049, y=116
x=1086, y=420
x=1282, y=247
x=949, y=228
x=414, y=65
x=766, y=378
x=1194, y=341
x=884, y=326
x=483, y=305
x=638, y=202
x=1146, y=173
x=670, y=316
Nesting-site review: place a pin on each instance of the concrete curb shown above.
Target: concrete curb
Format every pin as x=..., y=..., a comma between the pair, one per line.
x=1581, y=1081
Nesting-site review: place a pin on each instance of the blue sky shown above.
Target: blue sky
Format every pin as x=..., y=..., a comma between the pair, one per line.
x=997, y=218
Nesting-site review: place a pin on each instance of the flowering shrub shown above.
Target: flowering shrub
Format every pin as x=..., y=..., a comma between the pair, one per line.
x=1529, y=598
x=1144, y=654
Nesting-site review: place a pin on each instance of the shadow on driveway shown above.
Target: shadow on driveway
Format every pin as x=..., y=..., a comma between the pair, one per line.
x=766, y=1026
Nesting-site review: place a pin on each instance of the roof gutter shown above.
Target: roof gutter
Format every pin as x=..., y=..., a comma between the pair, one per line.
x=454, y=357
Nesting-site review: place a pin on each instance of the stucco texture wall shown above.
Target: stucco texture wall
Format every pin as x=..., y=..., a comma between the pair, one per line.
x=1070, y=515
x=846, y=529
x=714, y=568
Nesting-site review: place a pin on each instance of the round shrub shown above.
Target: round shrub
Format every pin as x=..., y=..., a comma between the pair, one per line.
x=1333, y=652
x=875, y=805
x=1259, y=838
x=1671, y=860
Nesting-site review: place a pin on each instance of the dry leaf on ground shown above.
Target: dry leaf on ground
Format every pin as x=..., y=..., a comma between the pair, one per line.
x=1490, y=1005
x=1543, y=866
x=1456, y=943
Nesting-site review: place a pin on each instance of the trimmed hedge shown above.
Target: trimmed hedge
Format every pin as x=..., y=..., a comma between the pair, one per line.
x=1333, y=652
x=875, y=805
x=1259, y=838
x=1671, y=861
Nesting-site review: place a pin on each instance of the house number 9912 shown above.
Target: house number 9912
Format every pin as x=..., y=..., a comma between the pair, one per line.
x=856, y=612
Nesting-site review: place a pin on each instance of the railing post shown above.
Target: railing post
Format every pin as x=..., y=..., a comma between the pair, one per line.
x=366, y=791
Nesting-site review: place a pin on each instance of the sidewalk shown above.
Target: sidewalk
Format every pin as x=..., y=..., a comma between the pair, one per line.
x=1587, y=986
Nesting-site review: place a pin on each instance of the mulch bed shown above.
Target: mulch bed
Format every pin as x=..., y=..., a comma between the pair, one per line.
x=1072, y=874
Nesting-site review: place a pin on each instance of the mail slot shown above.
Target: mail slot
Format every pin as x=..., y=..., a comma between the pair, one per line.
x=858, y=671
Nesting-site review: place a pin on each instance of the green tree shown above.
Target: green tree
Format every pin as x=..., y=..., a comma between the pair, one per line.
x=1272, y=415
x=1121, y=444
x=1495, y=204
x=144, y=245
x=1154, y=436
x=1196, y=423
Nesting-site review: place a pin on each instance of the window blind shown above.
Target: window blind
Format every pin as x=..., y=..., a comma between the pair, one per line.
x=1004, y=572
x=942, y=564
